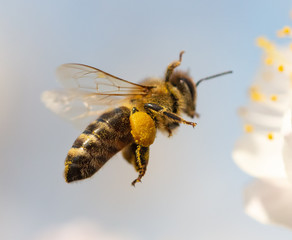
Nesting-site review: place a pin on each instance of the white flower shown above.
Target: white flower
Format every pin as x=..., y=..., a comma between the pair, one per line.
x=269, y=201
x=265, y=149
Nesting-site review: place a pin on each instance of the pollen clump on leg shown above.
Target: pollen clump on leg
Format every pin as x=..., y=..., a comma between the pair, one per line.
x=143, y=128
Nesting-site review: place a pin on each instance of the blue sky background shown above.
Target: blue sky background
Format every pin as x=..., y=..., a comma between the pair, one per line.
x=192, y=189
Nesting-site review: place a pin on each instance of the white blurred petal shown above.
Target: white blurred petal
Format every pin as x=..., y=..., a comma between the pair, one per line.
x=286, y=123
x=263, y=117
x=260, y=157
x=265, y=150
x=269, y=201
x=287, y=155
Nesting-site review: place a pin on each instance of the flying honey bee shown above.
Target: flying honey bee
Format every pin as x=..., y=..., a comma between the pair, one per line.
x=155, y=104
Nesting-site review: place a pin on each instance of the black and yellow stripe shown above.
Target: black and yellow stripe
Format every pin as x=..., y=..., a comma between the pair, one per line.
x=102, y=139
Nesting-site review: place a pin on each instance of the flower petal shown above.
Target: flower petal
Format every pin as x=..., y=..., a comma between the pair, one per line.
x=287, y=155
x=269, y=201
x=259, y=156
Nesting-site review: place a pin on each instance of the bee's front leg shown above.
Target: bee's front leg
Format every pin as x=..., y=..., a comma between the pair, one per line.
x=171, y=126
x=162, y=111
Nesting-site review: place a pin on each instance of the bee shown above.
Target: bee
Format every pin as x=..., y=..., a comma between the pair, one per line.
x=142, y=109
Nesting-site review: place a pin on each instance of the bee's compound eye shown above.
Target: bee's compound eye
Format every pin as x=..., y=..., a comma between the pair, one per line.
x=190, y=85
x=186, y=86
x=184, y=83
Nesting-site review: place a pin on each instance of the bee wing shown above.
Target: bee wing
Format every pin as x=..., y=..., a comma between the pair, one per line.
x=88, y=78
x=77, y=106
x=87, y=91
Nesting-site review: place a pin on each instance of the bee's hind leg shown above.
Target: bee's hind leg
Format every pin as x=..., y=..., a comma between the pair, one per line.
x=138, y=156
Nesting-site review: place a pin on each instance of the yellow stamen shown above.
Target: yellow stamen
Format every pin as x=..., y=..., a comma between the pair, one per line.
x=248, y=128
x=269, y=61
x=270, y=136
x=285, y=31
x=281, y=68
x=255, y=95
x=274, y=98
x=264, y=43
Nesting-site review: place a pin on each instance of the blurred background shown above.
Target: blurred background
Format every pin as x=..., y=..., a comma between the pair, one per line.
x=192, y=188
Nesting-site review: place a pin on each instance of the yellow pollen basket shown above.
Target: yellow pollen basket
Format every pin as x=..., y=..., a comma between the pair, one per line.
x=143, y=128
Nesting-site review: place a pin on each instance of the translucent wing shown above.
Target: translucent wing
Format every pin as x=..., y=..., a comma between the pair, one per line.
x=79, y=107
x=97, y=81
x=87, y=91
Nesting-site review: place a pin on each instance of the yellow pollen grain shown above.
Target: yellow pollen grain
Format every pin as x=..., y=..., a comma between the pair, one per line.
x=248, y=128
x=270, y=136
x=269, y=61
x=255, y=95
x=281, y=68
x=274, y=98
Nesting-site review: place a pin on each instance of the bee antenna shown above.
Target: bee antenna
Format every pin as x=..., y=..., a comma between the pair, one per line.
x=213, y=76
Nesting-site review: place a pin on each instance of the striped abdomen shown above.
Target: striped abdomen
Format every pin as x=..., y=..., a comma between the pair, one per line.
x=102, y=139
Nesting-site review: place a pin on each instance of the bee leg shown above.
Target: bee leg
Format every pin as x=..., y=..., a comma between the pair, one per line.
x=138, y=156
x=169, y=131
x=197, y=115
x=172, y=66
x=170, y=127
x=129, y=153
x=141, y=162
x=162, y=111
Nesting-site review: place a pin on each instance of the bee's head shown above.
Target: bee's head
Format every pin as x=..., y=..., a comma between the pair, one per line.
x=186, y=86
